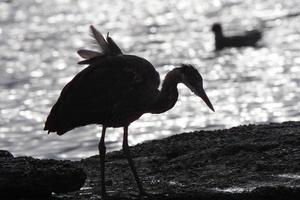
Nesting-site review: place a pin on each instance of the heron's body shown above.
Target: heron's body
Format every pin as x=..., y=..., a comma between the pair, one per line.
x=115, y=90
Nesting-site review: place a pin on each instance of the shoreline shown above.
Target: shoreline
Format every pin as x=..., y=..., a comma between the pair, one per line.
x=244, y=162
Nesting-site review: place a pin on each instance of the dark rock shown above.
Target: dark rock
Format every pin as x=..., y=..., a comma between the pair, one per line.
x=253, y=162
x=5, y=154
x=263, y=193
x=29, y=177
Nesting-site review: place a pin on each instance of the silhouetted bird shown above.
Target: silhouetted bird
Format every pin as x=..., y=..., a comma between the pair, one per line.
x=249, y=38
x=115, y=90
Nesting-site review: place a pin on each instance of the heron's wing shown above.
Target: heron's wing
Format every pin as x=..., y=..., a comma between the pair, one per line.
x=144, y=69
x=104, y=93
x=75, y=107
x=86, y=99
x=100, y=93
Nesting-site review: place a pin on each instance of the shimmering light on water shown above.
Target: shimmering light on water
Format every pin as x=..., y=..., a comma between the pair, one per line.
x=39, y=40
x=290, y=176
x=235, y=189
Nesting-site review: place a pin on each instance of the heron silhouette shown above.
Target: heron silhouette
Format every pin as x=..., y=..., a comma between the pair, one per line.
x=115, y=90
x=249, y=38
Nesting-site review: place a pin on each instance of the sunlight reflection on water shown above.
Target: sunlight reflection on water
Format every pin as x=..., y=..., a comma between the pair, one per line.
x=38, y=41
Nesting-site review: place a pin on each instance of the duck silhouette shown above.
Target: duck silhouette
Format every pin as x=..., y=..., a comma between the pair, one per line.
x=249, y=38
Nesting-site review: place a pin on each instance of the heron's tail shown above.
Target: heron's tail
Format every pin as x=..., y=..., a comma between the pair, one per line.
x=107, y=47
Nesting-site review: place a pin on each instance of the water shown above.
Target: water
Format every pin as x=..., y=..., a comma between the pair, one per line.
x=39, y=40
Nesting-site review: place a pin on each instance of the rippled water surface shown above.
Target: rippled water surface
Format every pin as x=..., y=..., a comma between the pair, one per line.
x=39, y=40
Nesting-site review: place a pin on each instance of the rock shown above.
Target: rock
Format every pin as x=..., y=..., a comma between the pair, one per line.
x=254, y=162
x=29, y=177
x=5, y=154
x=263, y=193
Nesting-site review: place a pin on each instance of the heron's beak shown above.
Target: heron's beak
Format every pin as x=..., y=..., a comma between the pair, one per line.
x=201, y=93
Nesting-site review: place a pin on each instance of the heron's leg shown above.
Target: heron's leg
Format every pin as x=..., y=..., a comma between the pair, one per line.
x=126, y=150
x=102, y=151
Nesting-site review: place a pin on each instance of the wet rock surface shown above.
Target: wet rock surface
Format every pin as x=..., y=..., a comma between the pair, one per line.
x=32, y=178
x=245, y=162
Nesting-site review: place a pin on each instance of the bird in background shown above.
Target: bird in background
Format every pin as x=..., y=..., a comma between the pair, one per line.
x=249, y=38
x=115, y=90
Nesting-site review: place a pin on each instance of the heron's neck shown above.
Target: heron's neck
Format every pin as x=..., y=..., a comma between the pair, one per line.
x=168, y=94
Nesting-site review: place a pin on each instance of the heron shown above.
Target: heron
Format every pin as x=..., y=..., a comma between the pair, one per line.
x=249, y=38
x=115, y=90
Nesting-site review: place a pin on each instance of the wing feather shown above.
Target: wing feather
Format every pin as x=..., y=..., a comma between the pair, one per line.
x=113, y=47
x=100, y=40
x=88, y=54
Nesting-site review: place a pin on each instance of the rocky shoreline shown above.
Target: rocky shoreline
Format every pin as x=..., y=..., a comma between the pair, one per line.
x=29, y=177
x=245, y=162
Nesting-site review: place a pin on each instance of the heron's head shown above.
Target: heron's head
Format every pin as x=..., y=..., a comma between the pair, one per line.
x=216, y=28
x=193, y=80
